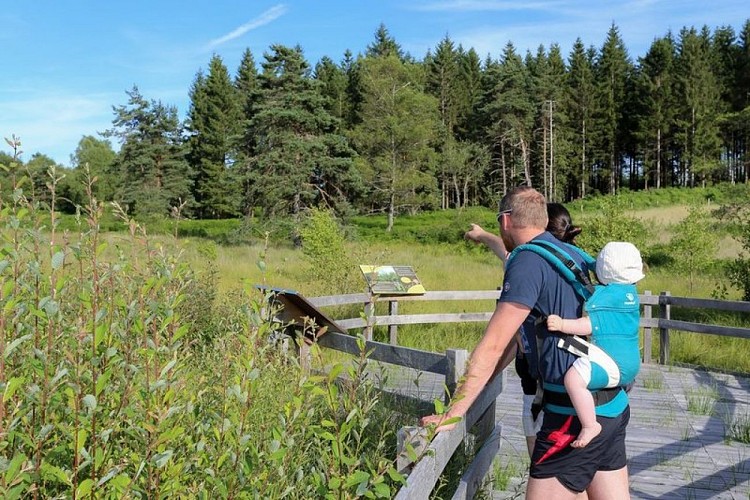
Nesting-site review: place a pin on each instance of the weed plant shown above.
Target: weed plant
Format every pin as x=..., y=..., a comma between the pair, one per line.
x=738, y=427
x=702, y=400
x=123, y=376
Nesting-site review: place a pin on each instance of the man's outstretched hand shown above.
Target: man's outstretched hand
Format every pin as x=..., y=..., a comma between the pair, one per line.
x=442, y=422
x=475, y=233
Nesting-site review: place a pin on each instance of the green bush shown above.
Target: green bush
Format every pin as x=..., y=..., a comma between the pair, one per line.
x=612, y=224
x=329, y=263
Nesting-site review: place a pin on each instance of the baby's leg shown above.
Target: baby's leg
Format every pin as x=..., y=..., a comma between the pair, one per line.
x=583, y=402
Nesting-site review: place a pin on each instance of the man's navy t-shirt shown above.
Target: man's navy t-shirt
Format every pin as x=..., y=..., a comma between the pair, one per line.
x=532, y=281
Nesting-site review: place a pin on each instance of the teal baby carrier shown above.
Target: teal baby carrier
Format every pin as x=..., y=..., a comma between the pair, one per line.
x=601, y=383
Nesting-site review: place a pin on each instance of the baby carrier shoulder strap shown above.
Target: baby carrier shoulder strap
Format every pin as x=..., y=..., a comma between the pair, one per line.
x=564, y=264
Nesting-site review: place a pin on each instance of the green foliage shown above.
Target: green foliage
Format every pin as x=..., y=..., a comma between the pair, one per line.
x=702, y=400
x=123, y=377
x=298, y=160
x=738, y=428
x=664, y=197
x=612, y=224
x=329, y=262
x=445, y=226
x=398, y=124
x=694, y=244
x=215, y=124
x=151, y=172
x=737, y=212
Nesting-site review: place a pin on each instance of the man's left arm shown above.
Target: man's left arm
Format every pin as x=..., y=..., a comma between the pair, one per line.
x=500, y=332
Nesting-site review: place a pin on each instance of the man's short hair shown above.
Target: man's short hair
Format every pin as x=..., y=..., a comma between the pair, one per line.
x=527, y=207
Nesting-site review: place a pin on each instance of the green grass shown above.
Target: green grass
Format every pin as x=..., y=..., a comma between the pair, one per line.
x=702, y=400
x=463, y=266
x=738, y=427
x=652, y=381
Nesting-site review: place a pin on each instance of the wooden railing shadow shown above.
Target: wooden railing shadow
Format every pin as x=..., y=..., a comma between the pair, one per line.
x=434, y=456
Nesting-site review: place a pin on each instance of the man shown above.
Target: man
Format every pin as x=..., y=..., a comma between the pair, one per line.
x=533, y=289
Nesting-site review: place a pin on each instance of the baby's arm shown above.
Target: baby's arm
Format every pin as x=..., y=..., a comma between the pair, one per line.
x=580, y=326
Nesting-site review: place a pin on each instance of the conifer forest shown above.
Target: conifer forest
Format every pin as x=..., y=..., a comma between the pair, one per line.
x=384, y=132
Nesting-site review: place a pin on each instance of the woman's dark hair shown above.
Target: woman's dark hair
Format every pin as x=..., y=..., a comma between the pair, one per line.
x=561, y=224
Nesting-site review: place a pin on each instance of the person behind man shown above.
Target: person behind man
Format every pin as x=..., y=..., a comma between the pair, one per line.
x=613, y=316
x=560, y=225
x=532, y=289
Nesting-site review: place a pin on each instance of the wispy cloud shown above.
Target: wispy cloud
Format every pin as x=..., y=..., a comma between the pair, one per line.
x=266, y=17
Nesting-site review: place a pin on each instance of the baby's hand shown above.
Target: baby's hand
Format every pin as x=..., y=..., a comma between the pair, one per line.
x=554, y=323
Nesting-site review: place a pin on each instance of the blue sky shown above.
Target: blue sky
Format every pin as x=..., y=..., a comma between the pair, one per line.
x=66, y=63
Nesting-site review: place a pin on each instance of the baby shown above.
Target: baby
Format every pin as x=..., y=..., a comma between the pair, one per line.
x=613, y=357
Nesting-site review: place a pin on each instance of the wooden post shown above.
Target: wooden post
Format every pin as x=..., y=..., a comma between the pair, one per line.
x=393, y=329
x=664, y=313
x=647, y=331
x=486, y=423
x=369, y=314
x=304, y=354
x=457, y=360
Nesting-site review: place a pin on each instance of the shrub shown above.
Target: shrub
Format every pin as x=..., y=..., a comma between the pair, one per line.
x=103, y=396
x=612, y=224
x=694, y=244
x=329, y=263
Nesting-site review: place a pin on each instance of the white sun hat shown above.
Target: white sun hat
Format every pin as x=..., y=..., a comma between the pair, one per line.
x=619, y=262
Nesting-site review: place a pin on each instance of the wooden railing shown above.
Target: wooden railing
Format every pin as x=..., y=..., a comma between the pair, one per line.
x=425, y=473
x=660, y=319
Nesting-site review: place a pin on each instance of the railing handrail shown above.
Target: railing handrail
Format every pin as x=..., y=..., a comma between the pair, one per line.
x=661, y=320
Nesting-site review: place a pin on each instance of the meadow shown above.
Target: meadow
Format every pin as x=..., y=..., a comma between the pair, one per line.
x=433, y=245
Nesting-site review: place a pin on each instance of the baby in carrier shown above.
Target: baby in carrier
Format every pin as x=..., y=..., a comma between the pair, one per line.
x=612, y=359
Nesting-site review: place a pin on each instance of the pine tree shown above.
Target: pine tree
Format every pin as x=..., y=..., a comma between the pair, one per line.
x=580, y=106
x=352, y=69
x=299, y=160
x=333, y=87
x=470, y=68
x=384, y=45
x=510, y=114
x=654, y=84
x=214, y=125
x=246, y=83
x=151, y=161
x=698, y=101
x=547, y=74
x=612, y=70
x=443, y=82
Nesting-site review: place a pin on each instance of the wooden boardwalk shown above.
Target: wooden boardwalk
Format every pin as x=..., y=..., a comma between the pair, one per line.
x=677, y=438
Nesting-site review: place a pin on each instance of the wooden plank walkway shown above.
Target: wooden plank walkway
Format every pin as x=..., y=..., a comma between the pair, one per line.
x=677, y=444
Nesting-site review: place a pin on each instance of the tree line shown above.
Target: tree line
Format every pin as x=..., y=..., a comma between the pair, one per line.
x=383, y=132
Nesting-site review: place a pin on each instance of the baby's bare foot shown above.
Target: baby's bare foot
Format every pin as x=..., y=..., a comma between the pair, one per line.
x=586, y=435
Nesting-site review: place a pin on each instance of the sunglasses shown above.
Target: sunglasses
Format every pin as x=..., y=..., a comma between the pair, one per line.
x=503, y=212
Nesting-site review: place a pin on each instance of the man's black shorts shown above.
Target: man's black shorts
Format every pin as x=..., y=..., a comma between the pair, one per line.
x=575, y=467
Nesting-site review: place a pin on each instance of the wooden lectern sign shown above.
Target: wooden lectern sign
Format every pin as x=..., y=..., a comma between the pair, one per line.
x=392, y=280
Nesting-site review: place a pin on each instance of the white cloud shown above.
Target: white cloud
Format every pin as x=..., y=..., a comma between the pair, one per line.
x=53, y=124
x=266, y=17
